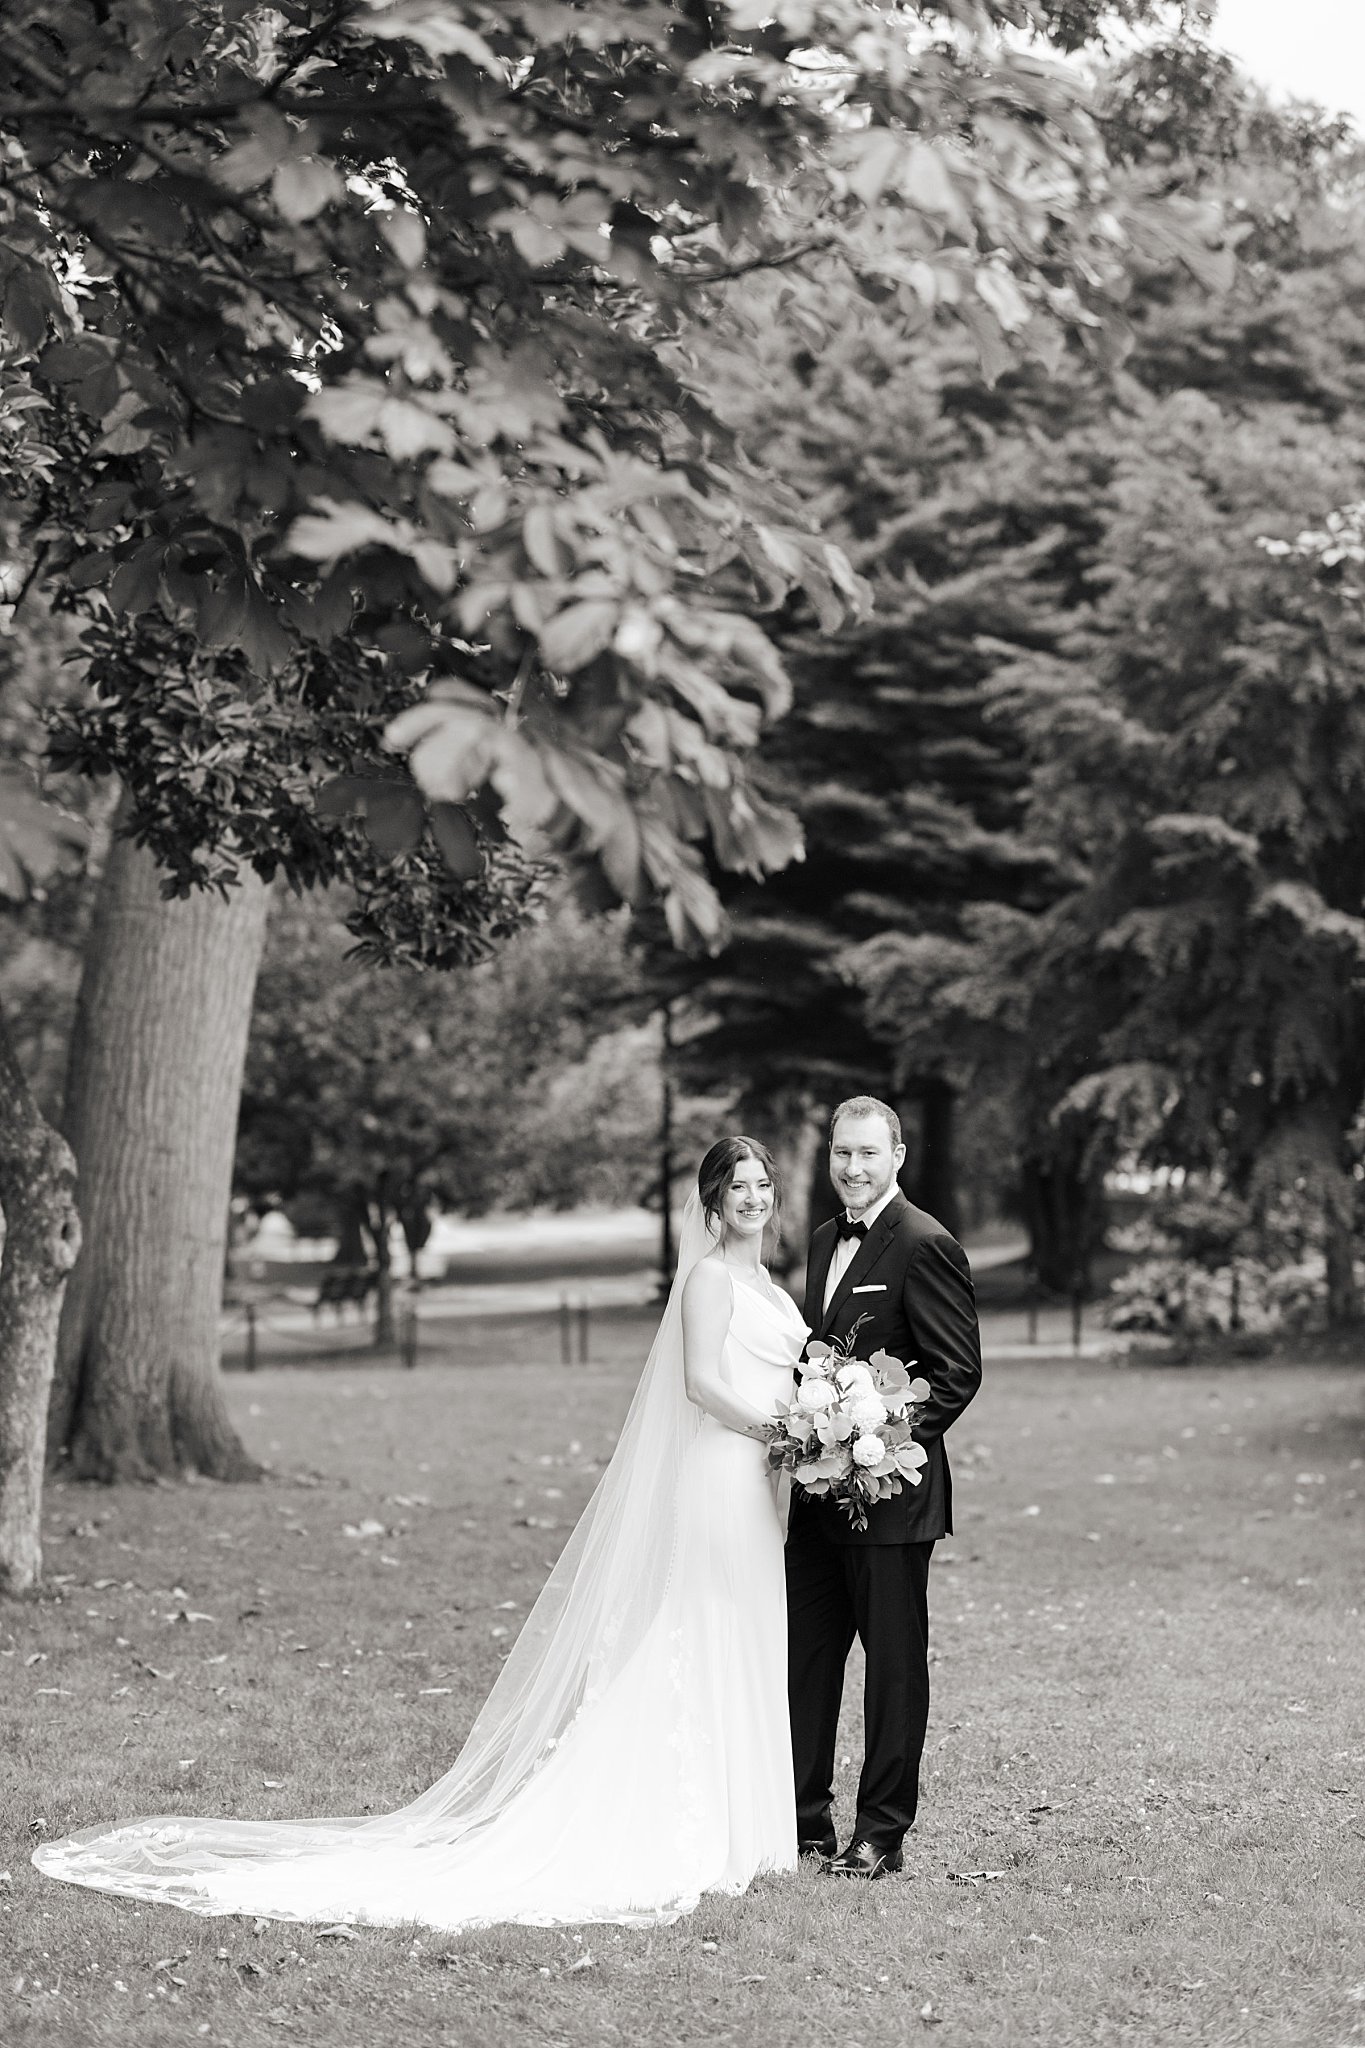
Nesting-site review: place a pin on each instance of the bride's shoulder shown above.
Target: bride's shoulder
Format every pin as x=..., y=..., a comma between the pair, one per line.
x=707, y=1282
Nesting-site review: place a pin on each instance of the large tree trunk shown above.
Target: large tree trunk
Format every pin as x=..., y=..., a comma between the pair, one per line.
x=1343, y=1295
x=151, y=1112
x=42, y=1235
x=381, y=1218
x=796, y=1127
x=1064, y=1213
x=936, y=1180
x=1307, y=1153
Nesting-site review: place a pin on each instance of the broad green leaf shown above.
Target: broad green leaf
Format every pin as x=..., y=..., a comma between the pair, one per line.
x=574, y=637
x=302, y=186
x=455, y=835
x=394, y=818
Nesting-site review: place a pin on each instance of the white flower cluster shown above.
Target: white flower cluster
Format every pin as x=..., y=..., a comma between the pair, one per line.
x=848, y=1431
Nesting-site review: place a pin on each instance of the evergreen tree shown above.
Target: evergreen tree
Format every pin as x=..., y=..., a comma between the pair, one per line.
x=1195, y=732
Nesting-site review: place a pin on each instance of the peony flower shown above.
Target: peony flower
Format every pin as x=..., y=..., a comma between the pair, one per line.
x=855, y=1374
x=868, y=1411
x=869, y=1450
x=814, y=1396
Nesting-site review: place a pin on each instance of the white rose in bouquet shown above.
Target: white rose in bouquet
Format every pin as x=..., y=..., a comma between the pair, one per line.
x=846, y=1433
x=815, y=1396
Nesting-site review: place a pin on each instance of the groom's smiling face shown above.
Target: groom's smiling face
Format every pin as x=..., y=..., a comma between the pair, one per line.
x=863, y=1162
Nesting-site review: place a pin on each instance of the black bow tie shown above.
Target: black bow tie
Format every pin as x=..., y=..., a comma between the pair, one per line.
x=852, y=1226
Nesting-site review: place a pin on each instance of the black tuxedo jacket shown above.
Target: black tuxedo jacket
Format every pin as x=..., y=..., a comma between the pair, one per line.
x=911, y=1281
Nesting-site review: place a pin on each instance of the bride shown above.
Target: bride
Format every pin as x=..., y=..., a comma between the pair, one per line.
x=635, y=1750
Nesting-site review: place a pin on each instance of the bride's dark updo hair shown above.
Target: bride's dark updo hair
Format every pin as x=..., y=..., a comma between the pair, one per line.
x=717, y=1170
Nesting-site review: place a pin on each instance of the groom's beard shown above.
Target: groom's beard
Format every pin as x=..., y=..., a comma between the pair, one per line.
x=864, y=1197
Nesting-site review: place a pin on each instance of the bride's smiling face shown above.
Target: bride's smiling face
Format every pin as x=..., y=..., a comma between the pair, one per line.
x=747, y=1202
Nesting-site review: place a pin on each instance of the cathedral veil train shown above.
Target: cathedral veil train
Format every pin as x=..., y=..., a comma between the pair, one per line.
x=635, y=1750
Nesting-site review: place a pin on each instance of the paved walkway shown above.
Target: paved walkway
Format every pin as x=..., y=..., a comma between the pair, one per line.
x=287, y=1325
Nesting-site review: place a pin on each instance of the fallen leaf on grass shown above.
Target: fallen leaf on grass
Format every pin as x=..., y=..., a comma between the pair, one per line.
x=752, y=1980
x=341, y=1932
x=973, y=1877
x=369, y=1527
x=584, y=1962
x=928, y=2015
x=273, y=1784
x=56, y=1691
x=430, y=1692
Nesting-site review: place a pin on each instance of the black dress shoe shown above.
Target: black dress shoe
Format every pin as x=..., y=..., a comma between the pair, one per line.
x=863, y=1859
x=822, y=1850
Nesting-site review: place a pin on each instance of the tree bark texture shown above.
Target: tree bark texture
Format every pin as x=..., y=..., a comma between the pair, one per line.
x=1065, y=1214
x=1343, y=1295
x=380, y=1218
x=797, y=1124
x=936, y=1178
x=41, y=1239
x=152, y=1096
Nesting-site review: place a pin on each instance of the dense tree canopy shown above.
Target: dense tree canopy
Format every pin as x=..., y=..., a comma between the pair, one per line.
x=1194, y=733
x=344, y=378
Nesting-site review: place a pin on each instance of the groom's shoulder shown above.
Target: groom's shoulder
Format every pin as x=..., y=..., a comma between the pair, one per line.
x=915, y=1226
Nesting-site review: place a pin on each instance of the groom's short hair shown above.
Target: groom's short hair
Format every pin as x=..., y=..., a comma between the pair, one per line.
x=868, y=1105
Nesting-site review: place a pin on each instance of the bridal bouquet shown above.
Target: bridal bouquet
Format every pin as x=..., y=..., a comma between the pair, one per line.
x=847, y=1430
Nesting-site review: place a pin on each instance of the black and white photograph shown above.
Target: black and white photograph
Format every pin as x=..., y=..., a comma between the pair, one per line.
x=682, y=1023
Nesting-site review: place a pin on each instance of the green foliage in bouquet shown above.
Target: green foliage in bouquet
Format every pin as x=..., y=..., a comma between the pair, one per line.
x=848, y=1430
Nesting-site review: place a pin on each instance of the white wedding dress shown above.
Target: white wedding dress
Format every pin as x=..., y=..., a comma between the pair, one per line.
x=635, y=1752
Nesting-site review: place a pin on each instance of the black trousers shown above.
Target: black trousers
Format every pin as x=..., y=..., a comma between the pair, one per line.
x=879, y=1592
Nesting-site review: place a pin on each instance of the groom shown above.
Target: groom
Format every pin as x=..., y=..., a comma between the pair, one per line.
x=892, y=1264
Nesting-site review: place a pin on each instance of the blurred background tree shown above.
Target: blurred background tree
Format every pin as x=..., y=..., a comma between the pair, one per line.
x=376, y=1099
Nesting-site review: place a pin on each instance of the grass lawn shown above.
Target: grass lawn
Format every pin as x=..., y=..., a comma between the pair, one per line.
x=1148, y=1726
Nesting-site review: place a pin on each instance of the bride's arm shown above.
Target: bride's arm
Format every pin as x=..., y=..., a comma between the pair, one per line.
x=706, y=1319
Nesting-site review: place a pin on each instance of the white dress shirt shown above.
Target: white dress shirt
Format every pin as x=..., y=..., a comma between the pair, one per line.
x=846, y=1249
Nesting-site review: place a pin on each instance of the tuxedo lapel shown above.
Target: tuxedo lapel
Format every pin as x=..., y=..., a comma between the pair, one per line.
x=866, y=1257
x=821, y=1252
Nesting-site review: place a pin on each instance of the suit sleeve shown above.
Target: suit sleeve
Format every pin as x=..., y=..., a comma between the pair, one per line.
x=940, y=1305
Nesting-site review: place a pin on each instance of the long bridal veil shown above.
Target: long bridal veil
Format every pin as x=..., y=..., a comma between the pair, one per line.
x=591, y=1618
